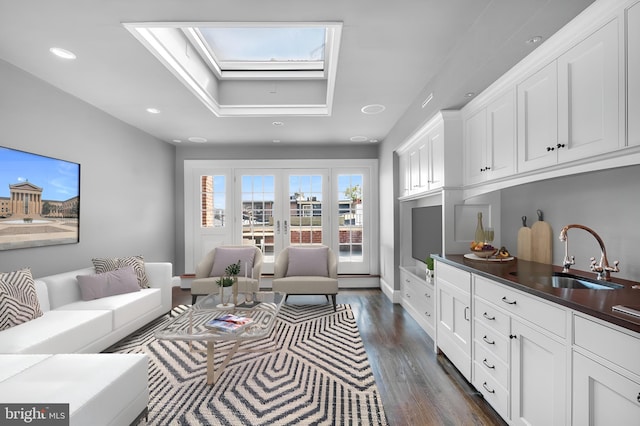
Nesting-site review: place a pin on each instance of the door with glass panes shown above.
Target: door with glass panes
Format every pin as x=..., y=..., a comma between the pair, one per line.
x=279, y=208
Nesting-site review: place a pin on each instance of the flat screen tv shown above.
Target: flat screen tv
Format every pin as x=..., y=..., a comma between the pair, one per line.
x=39, y=200
x=426, y=232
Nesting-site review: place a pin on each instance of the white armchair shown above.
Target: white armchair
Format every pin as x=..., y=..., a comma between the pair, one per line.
x=307, y=270
x=212, y=267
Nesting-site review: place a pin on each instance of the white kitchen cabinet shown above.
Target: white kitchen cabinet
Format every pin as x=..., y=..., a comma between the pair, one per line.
x=569, y=110
x=520, y=356
x=453, y=316
x=588, y=96
x=423, y=156
x=490, y=141
x=606, y=374
x=538, y=119
x=633, y=74
x=538, y=377
x=418, y=299
x=602, y=396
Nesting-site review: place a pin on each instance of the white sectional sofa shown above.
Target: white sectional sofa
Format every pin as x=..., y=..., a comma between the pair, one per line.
x=58, y=351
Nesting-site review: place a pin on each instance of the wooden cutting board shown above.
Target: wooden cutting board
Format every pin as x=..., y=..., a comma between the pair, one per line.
x=524, y=241
x=541, y=241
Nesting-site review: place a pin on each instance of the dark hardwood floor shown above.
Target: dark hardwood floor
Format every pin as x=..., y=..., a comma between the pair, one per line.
x=417, y=386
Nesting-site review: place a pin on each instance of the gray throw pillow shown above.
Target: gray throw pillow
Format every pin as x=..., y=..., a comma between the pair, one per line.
x=225, y=256
x=308, y=261
x=110, y=283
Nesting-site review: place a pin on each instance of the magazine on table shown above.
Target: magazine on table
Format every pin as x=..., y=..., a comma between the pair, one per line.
x=228, y=322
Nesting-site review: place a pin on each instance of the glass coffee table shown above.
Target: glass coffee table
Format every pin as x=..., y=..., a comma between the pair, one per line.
x=192, y=325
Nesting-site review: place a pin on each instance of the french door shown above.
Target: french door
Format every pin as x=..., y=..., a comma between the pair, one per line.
x=281, y=207
x=287, y=202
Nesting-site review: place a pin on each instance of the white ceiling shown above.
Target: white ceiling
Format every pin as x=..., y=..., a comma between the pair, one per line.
x=392, y=52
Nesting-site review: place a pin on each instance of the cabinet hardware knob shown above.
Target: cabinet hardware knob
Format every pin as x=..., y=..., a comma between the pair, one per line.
x=505, y=300
x=513, y=336
x=427, y=295
x=484, y=361
x=487, y=168
x=427, y=314
x=484, y=385
x=560, y=145
x=491, y=342
x=551, y=148
x=488, y=317
x=638, y=396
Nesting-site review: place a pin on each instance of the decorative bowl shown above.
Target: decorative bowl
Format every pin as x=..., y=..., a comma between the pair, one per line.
x=485, y=254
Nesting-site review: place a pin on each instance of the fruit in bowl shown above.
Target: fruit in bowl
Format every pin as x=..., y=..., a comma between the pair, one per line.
x=481, y=249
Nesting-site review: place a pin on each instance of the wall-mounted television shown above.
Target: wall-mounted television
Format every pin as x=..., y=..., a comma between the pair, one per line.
x=39, y=200
x=426, y=232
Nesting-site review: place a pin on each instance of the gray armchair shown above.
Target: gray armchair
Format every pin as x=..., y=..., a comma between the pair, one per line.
x=307, y=270
x=209, y=270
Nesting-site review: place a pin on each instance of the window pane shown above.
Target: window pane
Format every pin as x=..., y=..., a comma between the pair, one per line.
x=350, y=217
x=257, y=213
x=305, y=209
x=273, y=44
x=212, y=201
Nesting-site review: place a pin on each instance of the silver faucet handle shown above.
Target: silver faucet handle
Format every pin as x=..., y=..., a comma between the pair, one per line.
x=613, y=268
x=595, y=267
x=567, y=262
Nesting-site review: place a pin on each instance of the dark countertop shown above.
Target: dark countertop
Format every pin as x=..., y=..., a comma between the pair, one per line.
x=519, y=274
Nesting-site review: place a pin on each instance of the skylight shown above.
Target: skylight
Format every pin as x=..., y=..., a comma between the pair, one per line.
x=250, y=68
x=265, y=48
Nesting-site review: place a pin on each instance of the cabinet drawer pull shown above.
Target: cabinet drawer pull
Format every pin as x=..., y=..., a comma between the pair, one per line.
x=491, y=342
x=427, y=295
x=484, y=385
x=466, y=313
x=638, y=396
x=505, y=300
x=484, y=361
x=513, y=336
x=427, y=314
x=488, y=317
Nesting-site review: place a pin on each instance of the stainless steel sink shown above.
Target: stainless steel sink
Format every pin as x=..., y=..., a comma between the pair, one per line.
x=563, y=280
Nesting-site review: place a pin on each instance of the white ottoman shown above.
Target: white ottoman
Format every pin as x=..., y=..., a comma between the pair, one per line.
x=101, y=389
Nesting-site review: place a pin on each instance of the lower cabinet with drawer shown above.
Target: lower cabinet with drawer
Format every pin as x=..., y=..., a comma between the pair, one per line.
x=418, y=299
x=520, y=365
x=606, y=374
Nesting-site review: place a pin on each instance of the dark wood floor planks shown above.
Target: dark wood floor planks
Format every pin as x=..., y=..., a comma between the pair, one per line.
x=417, y=386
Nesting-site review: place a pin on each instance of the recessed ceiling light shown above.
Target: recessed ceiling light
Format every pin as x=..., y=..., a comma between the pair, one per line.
x=62, y=53
x=373, y=109
x=373, y=140
x=534, y=40
x=276, y=141
x=177, y=140
x=197, y=139
x=358, y=138
x=469, y=94
x=153, y=110
x=278, y=123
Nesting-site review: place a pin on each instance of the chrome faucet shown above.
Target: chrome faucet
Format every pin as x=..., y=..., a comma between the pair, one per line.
x=603, y=269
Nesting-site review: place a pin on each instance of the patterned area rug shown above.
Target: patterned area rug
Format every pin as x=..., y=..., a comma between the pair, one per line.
x=318, y=374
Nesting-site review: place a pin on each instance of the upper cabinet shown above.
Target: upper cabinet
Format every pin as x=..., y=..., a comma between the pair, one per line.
x=423, y=157
x=633, y=74
x=569, y=110
x=489, y=141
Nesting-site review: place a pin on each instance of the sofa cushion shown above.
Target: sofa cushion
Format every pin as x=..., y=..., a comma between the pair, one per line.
x=14, y=364
x=63, y=287
x=306, y=285
x=307, y=261
x=43, y=294
x=126, y=308
x=101, y=389
x=111, y=264
x=57, y=332
x=110, y=283
x=18, y=299
x=225, y=256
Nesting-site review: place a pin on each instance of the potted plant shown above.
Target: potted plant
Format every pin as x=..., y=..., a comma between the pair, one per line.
x=429, y=262
x=229, y=279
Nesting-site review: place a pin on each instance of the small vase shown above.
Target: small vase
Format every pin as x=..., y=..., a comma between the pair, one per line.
x=224, y=299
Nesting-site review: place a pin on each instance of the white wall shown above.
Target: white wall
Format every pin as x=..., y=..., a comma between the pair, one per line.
x=607, y=201
x=127, y=177
x=248, y=152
